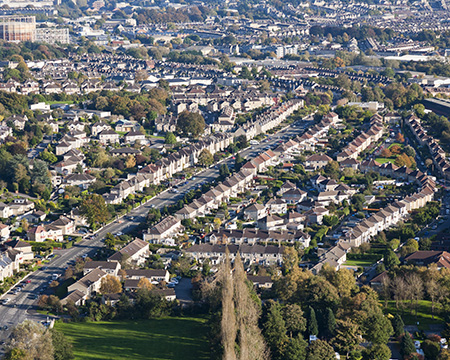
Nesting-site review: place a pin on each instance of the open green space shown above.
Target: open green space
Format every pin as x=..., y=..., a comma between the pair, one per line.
x=382, y=160
x=396, y=143
x=424, y=317
x=174, y=338
x=359, y=263
x=59, y=102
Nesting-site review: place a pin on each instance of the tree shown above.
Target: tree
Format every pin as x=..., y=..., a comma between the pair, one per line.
x=320, y=350
x=377, y=352
x=386, y=153
x=31, y=338
x=409, y=150
x=414, y=284
x=16, y=354
x=192, y=124
x=295, y=349
x=407, y=345
x=170, y=138
x=224, y=171
x=205, y=158
x=444, y=355
x=313, y=327
x=130, y=162
x=390, y=259
x=62, y=347
x=398, y=325
x=378, y=329
x=400, y=138
x=358, y=201
x=110, y=284
x=329, y=324
x=347, y=336
x=274, y=330
x=251, y=341
x=294, y=319
x=94, y=208
x=431, y=349
x=238, y=162
x=145, y=283
x=228, y=323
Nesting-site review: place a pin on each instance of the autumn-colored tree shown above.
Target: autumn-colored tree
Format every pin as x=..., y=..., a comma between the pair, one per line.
x=110, y=285
x=386, y=153
x=130, y=162
x=395, y=149
x=400, y=138
x=145, y=283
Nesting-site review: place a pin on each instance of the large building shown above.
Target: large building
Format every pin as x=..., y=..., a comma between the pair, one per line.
x=18, y=28
x=52, y=35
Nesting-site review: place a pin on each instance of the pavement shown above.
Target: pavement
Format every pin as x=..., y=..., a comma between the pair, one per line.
x=22, y=306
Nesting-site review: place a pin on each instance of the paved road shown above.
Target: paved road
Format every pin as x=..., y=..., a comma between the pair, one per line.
x=22, y=306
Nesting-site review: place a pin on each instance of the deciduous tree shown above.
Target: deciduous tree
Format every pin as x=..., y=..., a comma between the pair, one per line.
x=110, y=284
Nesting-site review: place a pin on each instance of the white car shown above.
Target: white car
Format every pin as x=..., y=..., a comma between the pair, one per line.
x=5, y=301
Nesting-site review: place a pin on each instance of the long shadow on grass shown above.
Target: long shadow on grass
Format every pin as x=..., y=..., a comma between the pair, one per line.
x=162, y=339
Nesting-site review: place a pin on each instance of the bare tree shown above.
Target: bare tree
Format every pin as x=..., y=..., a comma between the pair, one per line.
x=399, y=290
x=414, y=285
x=436, y=292
x=228, y=312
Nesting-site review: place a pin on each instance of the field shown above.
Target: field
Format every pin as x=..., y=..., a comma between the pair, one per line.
x=423, y=318
x=160, y=339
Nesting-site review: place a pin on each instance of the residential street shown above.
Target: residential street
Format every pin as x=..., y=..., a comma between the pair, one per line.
x=18, y=309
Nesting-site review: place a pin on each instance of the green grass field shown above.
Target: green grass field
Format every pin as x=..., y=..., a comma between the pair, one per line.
x=359, y=263
x=396, y=143
x=424, y=317
x=59, y=102
x=381, y=160
x=172, y=338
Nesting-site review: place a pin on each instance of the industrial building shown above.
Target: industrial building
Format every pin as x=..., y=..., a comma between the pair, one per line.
x=438, y=106
x=18, y=28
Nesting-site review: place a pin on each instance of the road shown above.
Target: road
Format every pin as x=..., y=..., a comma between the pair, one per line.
x=22, y=306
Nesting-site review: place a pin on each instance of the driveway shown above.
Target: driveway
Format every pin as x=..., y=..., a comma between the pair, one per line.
x=184, y=290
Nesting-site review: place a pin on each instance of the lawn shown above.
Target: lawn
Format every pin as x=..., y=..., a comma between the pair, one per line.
x=172, y=338
x=398, y=144
x=381, y=160
x=423, y=317
x=59, y=102
x=359, y=263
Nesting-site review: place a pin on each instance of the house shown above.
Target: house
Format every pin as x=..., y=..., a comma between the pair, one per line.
x=134, y=136
x=255, y=211
x=23, y=248
x=109, y=267
x=135, y=252
x=66, y=225
x=154, y=275
x=108, y=137
x=251, y=254
x=81, y=180
x=89, y=284
x=75, y=297
x=165, y=229
x=317, y=161
x=4, y=231
x=37, y=234
x=261, y=282
x=276, y=206
x=98, y=127
x=286, y=187
x=294, y=196
x=6, y=266
x=425, y=258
